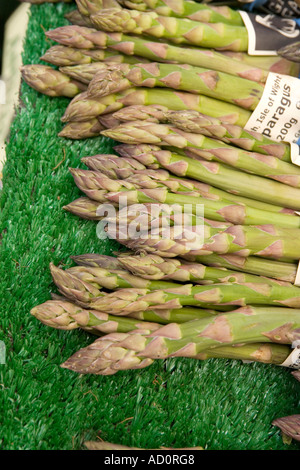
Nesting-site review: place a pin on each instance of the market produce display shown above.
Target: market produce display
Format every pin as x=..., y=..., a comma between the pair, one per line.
x=209, y=238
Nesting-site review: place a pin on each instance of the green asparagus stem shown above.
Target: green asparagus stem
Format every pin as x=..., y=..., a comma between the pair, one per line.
x=289, y=425
x=246, y=325
x=252, y=264
x=207, y=148
x=101, y=188
x=115, y=279
x=267, y=241
x=219, y=85
x=102, y=358
x=191, y=10
x=82, y=130
x=67, y=56
x=65, y=315
x=217, y=174
x=84, y=293
x=51, y=82
x=89, y=38
x=192, y=121
x=122, y=168
x=180, y=31
x=83, y=107
x=125, y=301
x=273, y=63
x=155, y=267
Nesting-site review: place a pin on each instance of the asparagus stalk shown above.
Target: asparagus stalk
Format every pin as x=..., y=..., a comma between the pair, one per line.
x=83, y=107
x=273, y=63
x=220, y=85
x=82, y=130
x=75, y=17
x=267, y=241
x=155, y=267
x=122, y=168
x=51, y=82
x=88, y=38
x=191, y=10
x=136, y=191
x=84, y=293
x=220, y=36
x=246, y=325
x=116, y=279
x=64, y=315
x=192, y=121
x=84, y=208
x=289, y=425
x=83, y=73
x=251, y=264
x=94, y=358
x=207, y=148
x=125, y=301
x=86, y=7
x=67, y=56
x=217, y=174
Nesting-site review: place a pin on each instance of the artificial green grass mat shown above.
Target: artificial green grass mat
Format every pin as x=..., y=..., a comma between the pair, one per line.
x=217, y=404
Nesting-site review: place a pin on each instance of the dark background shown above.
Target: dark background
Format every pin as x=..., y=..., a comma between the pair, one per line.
x=6, y=9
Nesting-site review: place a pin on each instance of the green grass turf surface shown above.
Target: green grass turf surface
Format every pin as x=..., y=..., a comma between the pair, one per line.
x=217, y=404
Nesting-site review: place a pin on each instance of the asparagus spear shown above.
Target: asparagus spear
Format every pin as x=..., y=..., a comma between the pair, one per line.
x=246, y=325
x=115, y=279
x=86, y=7
x=217, y=174
x=83, y=107
x=289, y=425
x=273, y=63
x=101, y=188
x=180, y=31
x=93, y=358
x=84, y=293
x=82, y=130
x=51, y=82
x=155, y=267
x=267, y=241
x=89, y=38
x=67, y=56
x=207, y=148
x=122, y=168
x=220, y=85
x=191, y=10
x=75, y=17
x=64, y=315
x=251, y=264
x=193, y=121
x=83, y=73
x=85, y=208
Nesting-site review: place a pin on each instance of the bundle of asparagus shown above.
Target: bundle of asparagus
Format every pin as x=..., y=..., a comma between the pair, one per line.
x=178, y=105
x=225, y=85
